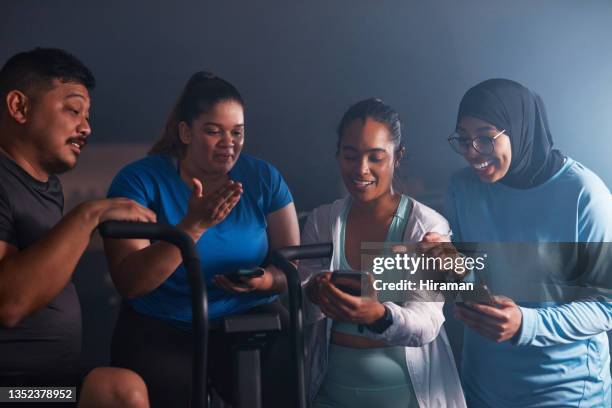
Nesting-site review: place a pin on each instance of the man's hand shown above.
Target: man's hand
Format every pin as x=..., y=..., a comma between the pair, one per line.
x=118, y=209
x=497, y=323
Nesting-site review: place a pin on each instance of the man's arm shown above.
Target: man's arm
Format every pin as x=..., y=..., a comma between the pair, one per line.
x=31, y=278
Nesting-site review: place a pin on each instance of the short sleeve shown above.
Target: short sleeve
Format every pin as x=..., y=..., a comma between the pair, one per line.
x=130, y=183
x=278, y=194
x=7, y=227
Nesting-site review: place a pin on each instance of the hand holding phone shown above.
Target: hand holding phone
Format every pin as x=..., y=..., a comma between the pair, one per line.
x=480, y=294
x=354, y=283
x=241, y=274
x=498, y=322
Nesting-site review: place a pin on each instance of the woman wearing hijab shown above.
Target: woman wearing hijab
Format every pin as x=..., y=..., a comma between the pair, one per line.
x=518, y=189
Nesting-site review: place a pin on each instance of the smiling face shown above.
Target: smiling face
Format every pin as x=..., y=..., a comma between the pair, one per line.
x=57, y=126
x=490, y=167
x=367, y=160
x=214, y=139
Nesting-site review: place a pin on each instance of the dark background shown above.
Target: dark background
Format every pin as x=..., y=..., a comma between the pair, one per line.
x=299, y=65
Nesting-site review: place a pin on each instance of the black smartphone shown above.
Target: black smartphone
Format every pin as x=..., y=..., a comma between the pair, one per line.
x=352, y=282
x=480, y=294
x=237, y=276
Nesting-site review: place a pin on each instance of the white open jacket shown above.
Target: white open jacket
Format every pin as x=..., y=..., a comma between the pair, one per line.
x=417, y=324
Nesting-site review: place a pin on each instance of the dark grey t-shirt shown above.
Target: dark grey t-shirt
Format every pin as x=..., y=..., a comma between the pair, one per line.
x=43, y=349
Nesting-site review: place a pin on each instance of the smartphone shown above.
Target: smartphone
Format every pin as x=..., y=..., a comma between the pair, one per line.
x=352, y=282
x=237, y=276
x=480, y=294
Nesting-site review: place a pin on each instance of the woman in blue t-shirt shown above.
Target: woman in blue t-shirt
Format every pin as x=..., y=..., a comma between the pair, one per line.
x=534, y=350
x=237, y=209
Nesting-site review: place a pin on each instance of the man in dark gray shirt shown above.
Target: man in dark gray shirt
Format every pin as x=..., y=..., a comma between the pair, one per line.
x=43, y=127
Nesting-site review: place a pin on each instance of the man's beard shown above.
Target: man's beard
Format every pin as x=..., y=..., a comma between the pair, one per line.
x=57, y=166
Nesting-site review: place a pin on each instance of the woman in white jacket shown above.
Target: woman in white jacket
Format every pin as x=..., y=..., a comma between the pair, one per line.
x=363, y=352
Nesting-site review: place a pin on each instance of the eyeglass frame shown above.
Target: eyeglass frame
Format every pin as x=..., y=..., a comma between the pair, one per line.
x=473, y=140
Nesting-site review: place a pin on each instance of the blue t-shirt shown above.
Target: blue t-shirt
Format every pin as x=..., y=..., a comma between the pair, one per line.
x=239, y=241
x=560, y=355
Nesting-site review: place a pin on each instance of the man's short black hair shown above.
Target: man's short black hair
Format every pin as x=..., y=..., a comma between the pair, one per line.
x=33, y=70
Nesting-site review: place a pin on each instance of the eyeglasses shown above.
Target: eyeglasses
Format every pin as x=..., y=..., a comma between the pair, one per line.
x=483, y=144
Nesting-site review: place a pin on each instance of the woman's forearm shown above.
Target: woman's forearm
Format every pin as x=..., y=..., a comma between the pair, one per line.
x=145, y=270
x=276, y=282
